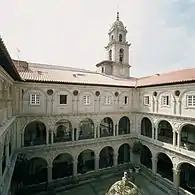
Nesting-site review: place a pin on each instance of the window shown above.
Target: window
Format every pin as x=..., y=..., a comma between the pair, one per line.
x=107, y=100
x=126, y=100
x=146, y=100
x=190, y=100
x=121, y=54
x=165, y=100
x=120, y=38
x=35, y=99
x=112, y=37
x=63, y=99
x=102, y=69
x=87, y=100
x=110, y=55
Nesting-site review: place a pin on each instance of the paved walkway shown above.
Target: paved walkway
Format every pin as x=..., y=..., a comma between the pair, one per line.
x=100, y=187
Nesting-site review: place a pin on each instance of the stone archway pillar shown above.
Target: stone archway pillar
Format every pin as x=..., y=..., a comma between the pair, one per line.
x=47, y=137
x=22, y=138
x=98, y=131
x=156, y=133
x=49, y=172
x=179, y=139
x=95, y=131
x=75, y=162
x=97, y=160
x=7, y=152
x=154, y=165
x=174, y=138
x=176, y=177
x=52, y=137
x=115, y=158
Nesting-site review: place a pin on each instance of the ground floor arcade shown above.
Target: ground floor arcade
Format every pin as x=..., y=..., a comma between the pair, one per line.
x=64, y=165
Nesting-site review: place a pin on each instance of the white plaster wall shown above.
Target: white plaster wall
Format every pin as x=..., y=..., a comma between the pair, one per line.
x=50, y=104
x=178, y=104
x=6, y=99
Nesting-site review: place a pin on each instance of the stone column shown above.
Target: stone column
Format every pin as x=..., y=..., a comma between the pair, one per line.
x=154, y=165
x=176, y=177
x=178, y=139
x=77, y=131
x=153, y=132
x=156, y=134
x=114, y=130
x=97, y=160
x=115, y=159
x=174, y=138
x=75, y=162
x=7, y=153
x=95, y=132
x=51, y=137
x=72, y=134
x=49, y=172
x=47, y=137
x=22, y=138
x=98, y=131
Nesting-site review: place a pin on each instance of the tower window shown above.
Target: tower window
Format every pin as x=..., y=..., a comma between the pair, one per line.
x=112, y=37
x=102, y=69
x=121, y=54
x=120, y=38
x=110, y=55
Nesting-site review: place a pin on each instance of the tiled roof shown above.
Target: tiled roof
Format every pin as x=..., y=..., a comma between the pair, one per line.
x=184, y=75
x=61, y=74
x=48, y=73
x=6, y=62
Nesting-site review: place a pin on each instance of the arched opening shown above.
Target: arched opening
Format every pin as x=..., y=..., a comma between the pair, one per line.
x=86, y=161
x=146, y=157
x=165, y=166
x=188, y=137
x=63, y=131
x=124, y=154
x=86, y=129
x=37, y=171
x=187, y=177
x=165, y=132
x=146, y=127
x=120, y=37
x=35, y=134
x=110, y=55
x=121, y=55
x=106, y=157
x=112, y=37
x=124, y=125
x=62, y=166
x=106, y=127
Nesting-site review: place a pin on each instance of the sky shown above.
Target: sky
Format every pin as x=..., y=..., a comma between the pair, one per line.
x=74, y=33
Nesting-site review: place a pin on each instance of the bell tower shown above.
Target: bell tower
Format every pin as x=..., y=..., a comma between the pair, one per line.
x=117, y=62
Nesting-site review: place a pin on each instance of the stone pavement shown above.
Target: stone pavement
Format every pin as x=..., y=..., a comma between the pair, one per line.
x=100, y=187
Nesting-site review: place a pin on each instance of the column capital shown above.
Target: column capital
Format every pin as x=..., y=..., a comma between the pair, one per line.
x=50, y=166
x=176, y=171
x=154, y=159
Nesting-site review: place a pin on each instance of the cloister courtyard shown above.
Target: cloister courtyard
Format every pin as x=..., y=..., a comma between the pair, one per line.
x=100, y=187
x=63, y=165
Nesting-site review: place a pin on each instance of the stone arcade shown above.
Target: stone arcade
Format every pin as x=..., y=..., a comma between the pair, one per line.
x=88, y=121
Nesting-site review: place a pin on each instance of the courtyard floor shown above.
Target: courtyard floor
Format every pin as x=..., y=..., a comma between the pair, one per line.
x=100, y=187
